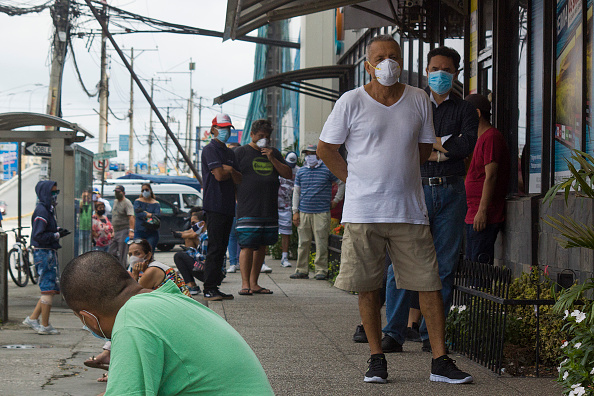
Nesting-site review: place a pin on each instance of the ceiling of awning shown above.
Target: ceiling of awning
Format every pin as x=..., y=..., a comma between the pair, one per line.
x=295, y=81
x=11, y=121
x=244, y=16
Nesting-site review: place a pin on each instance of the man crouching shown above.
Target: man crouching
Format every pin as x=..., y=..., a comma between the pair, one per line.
x=163, y=342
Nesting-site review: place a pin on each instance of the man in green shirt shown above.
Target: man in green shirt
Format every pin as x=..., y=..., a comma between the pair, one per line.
x=163, y=342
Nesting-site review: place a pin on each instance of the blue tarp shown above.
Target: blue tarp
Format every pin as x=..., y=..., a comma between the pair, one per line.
x=188, y=181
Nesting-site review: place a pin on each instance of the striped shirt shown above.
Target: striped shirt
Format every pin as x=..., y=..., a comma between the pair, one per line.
x=316, y=188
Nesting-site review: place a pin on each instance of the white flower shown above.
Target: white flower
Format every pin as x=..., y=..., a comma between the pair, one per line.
x=563, y=362
x=565, y=375
x=566, y=314
x=592, y=372
x=578, y=345
x=564, y=344
x=576, y=312
x=453, y=308
x=462, y=308
x=579, y=315
x=578, y=390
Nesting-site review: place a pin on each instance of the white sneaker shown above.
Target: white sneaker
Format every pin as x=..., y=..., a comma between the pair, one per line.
x=232, y=268
x=34, y=324
x=285, y=263
x=265, y=269
x=47, y=330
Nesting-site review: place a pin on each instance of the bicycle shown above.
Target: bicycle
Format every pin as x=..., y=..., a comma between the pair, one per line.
x=21, y=265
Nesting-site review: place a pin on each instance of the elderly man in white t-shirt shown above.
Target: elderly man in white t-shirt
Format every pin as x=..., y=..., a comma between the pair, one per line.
x=387, y=130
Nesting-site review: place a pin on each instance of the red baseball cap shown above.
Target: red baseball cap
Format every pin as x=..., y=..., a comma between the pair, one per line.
x=222, y=120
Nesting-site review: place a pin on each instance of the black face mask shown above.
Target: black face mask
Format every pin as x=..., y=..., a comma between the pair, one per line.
x=101, y=212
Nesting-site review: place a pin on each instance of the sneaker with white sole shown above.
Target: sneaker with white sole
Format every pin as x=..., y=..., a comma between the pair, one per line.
x=47, y=330
x=443, y=369
x=232, y=269
x=265, y=269
x=34, y=324
x=378, y=369
x=285, y=263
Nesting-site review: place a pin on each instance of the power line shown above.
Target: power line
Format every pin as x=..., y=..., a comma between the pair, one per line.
x=82, y=84
x=12, y=10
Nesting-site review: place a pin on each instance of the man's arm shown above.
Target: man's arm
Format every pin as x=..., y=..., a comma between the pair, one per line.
x=235, y=174
x=295, y=206
x=460, y=147
x=339, y=194
x=283, y=170
x=333, y=160
x=480, y=219
x=131, y=223
x=425, y=151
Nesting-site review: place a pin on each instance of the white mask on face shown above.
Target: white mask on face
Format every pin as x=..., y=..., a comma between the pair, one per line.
x=262, y=143
x=387, y=72
x=132, y=260
x=311, y=160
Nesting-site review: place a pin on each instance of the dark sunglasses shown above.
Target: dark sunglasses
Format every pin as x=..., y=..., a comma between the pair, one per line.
x=145, y=190
x=130, y=242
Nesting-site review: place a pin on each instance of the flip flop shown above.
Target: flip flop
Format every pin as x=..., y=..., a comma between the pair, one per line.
x=245, y=292
x=102, y=379
x=94, y=363
x=262, y=290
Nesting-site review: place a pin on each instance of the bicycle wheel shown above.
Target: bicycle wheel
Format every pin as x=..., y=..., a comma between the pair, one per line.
x=17, y=268
x=33, y=275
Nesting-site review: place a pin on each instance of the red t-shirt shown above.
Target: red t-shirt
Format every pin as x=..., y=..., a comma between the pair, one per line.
x=490, y=147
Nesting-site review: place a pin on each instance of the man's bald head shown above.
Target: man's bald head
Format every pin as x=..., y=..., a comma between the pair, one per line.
x=95, y=281
x=384, y=40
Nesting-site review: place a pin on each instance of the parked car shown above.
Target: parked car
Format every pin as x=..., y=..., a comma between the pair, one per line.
x=176, y=200
x=3, y=208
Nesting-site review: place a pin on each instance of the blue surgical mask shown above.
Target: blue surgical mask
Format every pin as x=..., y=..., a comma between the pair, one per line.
x=440, y=81
x=146, y=194
x=224, y=134
x=85, y=327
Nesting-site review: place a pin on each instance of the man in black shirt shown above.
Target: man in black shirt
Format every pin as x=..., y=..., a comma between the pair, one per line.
x=456, y=128
x=257, y=203
x=220, y=173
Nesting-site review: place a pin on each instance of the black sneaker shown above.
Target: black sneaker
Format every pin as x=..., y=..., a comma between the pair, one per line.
x=212, y=295
x=225, y=295
x=413, y=334
x=390, y=345
x=360, y=335
x=443, y=369
x=299, y=275
x=378, y=369
x=426, y=346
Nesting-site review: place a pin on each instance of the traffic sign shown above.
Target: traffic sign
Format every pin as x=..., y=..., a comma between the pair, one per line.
x=124, y=143
x=39, y=149
x=105, y=155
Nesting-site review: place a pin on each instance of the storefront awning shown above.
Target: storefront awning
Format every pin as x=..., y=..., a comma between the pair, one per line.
x=295, y=81
x=69, y=131
x=243, y=16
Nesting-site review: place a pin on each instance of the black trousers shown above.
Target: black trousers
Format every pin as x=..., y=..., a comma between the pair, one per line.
x=185, y=264
x=219, y=228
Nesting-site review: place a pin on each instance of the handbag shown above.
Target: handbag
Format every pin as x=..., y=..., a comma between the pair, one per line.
x=153, y=223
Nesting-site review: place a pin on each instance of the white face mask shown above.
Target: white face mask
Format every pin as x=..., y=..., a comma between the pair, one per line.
x=146, y=194
x=262, y=143
x=132, y=260
x=387, y=72
x=311, y=160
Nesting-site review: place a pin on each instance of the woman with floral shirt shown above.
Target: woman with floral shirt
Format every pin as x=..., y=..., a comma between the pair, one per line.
x=102, y=230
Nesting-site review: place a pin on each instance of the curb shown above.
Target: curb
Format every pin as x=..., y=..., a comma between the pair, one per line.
x=16, y=217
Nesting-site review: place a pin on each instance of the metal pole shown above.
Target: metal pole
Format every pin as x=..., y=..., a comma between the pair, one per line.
x=150, y=137
x=19, y=186
x=131, y=116
x=144, y=92
x=3, y=277
x=103, y=90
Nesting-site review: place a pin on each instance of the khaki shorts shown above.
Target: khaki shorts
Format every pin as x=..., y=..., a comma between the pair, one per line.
x=410, y=247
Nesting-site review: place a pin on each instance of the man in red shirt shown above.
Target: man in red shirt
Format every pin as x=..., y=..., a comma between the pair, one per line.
x=486, y=186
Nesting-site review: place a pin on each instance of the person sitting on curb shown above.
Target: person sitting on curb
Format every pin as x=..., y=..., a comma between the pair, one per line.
x=186, y=260
x=154, y=351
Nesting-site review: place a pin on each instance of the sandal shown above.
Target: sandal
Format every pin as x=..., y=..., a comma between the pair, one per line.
x=103, y=378
x=94, y=363
x=262, y=290
x=245, y=292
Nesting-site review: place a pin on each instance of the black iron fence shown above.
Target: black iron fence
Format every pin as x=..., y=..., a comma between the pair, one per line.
x=480, y=308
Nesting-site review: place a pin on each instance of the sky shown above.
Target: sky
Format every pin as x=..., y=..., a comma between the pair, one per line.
x=220, y=67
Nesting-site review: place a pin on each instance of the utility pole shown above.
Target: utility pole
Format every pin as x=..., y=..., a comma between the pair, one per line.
x=103, y=89
x=190, y=113
x=150, y=137
x=197, y=161
x=61, y=16
x=131, y=116
x=167, y=142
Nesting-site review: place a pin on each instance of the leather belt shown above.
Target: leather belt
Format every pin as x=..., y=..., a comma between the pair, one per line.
x=438, y=181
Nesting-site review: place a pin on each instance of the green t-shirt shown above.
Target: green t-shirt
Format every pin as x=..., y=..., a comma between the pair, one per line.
x=84, y=219
x=165, y=343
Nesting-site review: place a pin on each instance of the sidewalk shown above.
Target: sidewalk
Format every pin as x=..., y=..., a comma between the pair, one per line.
x=302, y=335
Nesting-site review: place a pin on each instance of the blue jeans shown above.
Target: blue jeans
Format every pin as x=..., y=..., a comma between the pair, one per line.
x=233, y=246
x=151, y=236
x=480, y=245
x=446, y=207
x=46, y=265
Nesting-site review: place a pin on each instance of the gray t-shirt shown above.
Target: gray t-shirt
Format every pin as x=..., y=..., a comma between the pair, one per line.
x=119, y=214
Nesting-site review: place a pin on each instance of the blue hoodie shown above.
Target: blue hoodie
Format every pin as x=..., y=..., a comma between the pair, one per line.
x=44, y=228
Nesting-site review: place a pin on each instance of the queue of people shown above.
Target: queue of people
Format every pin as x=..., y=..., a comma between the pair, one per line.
x=405, y=189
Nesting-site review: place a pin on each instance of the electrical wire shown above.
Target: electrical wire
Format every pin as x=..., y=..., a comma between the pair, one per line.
x=13, y=10
x=115, y=116
x=80, y=80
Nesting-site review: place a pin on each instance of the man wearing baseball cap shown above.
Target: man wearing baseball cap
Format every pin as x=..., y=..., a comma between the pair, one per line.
x=122, y=219
x=219, y=175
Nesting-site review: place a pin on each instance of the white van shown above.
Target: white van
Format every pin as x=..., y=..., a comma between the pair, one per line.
x=181, y=196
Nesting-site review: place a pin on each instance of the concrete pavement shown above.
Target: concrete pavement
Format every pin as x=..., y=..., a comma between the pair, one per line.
x=302, y=335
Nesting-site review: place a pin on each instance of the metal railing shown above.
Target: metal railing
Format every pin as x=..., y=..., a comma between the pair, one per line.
x=484, y=290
